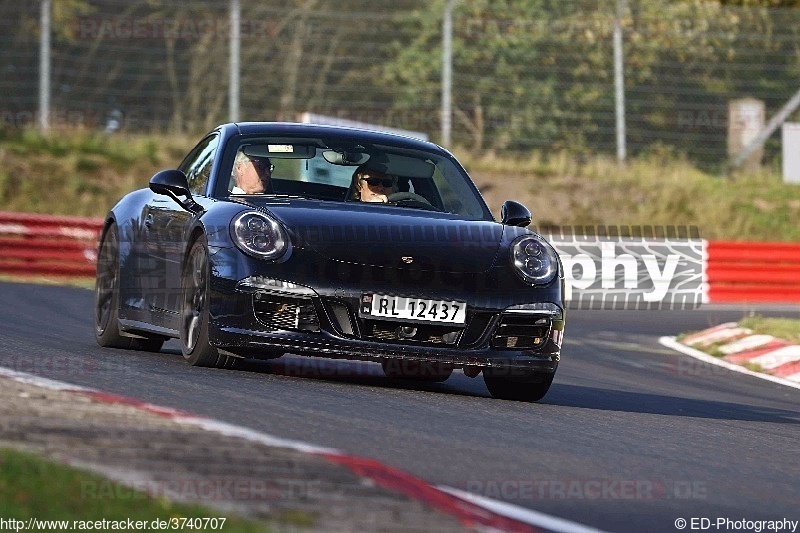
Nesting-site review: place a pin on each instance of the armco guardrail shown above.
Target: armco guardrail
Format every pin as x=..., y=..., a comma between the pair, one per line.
x=753, y=272
x=34, y=245
x=67, y=246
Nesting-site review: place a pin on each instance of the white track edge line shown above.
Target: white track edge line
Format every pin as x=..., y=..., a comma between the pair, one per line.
x=521, y=514
x=39, y=381
x=670, y=342
x=252, y=435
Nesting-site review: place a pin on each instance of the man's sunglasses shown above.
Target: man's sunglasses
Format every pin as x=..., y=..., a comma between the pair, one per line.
x=386, y=182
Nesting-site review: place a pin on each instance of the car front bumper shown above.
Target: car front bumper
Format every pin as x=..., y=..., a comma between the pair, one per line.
x=251, y=343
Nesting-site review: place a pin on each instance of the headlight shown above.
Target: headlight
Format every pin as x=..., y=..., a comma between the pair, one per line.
x=259, y=235
x=534, y=259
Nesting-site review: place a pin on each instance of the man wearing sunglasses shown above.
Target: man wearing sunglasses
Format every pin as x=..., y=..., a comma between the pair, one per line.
x=373, y=186
x=251, y=174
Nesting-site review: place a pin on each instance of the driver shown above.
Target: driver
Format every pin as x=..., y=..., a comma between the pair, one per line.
x=251, y=174
x=372, y=185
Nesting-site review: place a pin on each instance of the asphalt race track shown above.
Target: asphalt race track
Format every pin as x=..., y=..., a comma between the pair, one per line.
x=632, y=436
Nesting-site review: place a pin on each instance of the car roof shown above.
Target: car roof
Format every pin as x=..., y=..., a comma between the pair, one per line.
x=354, y=134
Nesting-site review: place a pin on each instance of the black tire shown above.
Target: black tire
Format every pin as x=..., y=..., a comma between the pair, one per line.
x=416, y=370
x=106, y=292
x=194, y=311
x=106, y=299
x=529, y=388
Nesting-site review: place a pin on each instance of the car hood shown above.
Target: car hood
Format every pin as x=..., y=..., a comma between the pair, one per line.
x=392, y=237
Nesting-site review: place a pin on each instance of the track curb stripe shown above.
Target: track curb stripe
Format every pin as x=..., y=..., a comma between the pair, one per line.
x=468, y=513
x=115, y=399
x=470, y=510
x=742, y=357
x=773, y=361
x=670, y=342
x=770, y=354
x=708, y=333
x=790, y=371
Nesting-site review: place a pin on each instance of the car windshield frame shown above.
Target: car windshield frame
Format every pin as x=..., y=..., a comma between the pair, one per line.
x=434, y=173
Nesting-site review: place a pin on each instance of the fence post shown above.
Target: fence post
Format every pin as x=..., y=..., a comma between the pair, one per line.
x=790, y=141
x=745, y=122
x=44, y=67
x=234, y=60
x=619, y=83
x=447, y=72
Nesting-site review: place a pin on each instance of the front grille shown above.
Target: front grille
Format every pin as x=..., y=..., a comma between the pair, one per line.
x=390, y=331
x=521, y=332
x=285, y=313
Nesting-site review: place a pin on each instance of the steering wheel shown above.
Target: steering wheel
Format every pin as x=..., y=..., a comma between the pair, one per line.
x=408, y=196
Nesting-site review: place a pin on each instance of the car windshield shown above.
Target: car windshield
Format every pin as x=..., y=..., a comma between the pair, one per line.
x=377, y=173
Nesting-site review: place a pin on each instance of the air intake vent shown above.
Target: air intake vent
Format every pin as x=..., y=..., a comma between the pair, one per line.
x=282, y=313
x=521, y=332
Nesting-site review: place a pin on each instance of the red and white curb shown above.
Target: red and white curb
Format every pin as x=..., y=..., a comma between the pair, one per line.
x=779, y=359
x=471, y=510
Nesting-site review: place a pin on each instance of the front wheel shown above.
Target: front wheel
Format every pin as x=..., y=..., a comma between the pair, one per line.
x=194, y=312
x=530, y=387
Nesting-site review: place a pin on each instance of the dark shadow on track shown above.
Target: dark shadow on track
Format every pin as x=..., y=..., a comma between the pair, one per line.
x=637, y=402
x=365, y=373
x=357, y=373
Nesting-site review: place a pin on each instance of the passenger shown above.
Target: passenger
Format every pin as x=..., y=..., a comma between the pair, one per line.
x=251, y=174
x=372, y=186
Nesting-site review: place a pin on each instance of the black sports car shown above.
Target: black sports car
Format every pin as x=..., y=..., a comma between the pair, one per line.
x=261, y=244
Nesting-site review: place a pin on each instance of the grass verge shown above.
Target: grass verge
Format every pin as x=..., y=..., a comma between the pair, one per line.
x=79, y=173
x=654, y=189
x=787, y=329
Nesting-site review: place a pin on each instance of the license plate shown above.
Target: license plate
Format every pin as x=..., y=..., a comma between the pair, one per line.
x=413, y=309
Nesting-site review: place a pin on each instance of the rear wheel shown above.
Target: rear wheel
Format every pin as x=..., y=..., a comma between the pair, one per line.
x=417, y=370
x=106, y=299
x=530, y=387
x=194, y=311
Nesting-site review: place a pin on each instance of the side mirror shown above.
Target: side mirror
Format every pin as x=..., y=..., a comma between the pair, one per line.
x=173, y=183
x=515, y=214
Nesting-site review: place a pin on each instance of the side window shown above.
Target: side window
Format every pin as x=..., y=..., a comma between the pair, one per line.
x=197, y=166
